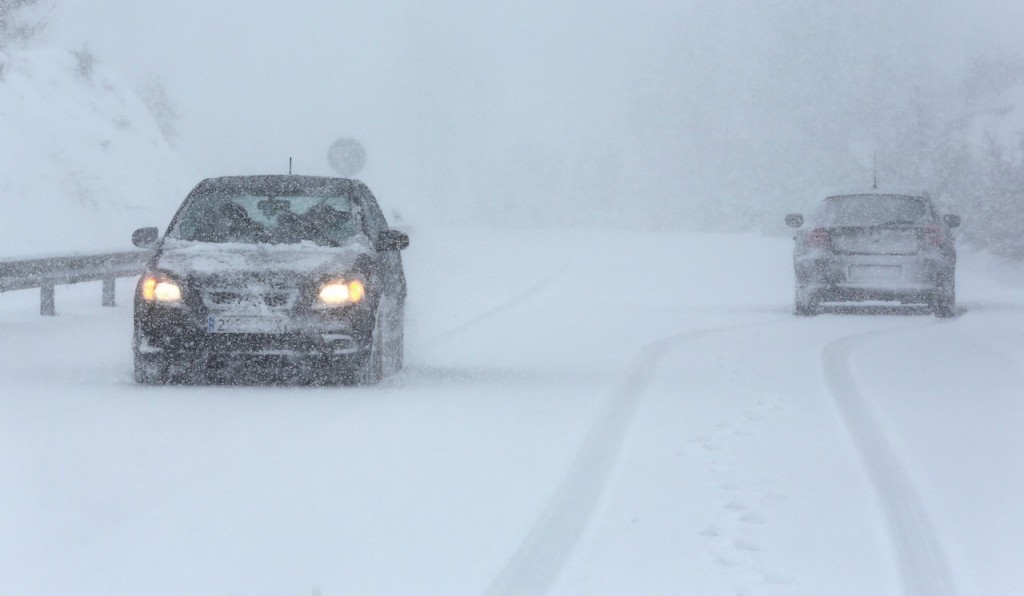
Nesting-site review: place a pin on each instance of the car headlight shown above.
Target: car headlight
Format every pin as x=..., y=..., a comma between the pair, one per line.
x=341, y=292
x=164, y=291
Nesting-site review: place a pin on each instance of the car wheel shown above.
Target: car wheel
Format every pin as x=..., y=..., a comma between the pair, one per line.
x=944, y=303
x=150, y=369
x=156, y=367
x=394, y=345
x=804, y=305
x=368, y=369
x=161, y=369
x=398, y=351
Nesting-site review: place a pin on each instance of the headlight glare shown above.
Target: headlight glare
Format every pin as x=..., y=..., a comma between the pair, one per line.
x=338, y=293
x=160, y=290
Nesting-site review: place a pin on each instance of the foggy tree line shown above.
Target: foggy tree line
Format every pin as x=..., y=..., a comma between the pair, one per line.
x=743, y=117
x=13, y=25
x=980, y=160
x=748, y=115
x=836, y=120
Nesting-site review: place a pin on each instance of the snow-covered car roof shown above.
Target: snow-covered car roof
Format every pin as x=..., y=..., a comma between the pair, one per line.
x=884, y=190
x=279, y=183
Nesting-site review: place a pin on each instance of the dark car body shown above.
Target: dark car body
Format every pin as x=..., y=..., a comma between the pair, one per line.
x=875, y=246
x=272, y=277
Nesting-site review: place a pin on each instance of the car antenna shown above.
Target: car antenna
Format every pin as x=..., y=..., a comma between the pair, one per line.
x=874, y=170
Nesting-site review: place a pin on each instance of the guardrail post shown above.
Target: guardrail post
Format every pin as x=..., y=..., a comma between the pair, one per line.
x=47, y=304
x=46, y=273
x=108, y=292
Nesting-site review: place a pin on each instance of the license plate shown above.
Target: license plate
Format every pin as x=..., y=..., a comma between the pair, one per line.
x=248, y=325
x=875, y=272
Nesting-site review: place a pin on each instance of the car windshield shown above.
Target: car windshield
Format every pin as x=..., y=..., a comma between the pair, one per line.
x=872, y=210
x=255, y=219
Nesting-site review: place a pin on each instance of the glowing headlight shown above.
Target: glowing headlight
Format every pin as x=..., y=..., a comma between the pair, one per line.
x=158, y=290
x=337, y=293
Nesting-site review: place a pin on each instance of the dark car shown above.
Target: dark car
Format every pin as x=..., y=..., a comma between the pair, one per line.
x=272, y=277
x=875, y=246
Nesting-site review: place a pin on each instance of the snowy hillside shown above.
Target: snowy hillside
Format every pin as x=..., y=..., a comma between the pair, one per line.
x=83, y=161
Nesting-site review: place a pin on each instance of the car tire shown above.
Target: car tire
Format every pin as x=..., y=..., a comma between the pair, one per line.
x=368, y=368
x=150, y=369
x=158, y=367
x=394, y=344
x=944, y=303
x=804, y=305
x=397, y=355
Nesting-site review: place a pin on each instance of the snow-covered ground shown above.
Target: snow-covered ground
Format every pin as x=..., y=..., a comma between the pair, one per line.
x=583, y=412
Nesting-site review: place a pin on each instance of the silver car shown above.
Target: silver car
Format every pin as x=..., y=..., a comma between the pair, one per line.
x=875, y=246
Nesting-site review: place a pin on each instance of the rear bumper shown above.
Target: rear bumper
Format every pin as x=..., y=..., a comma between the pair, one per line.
x=858, y=278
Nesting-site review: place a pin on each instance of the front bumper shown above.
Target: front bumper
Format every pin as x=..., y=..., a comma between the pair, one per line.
x=182, y=337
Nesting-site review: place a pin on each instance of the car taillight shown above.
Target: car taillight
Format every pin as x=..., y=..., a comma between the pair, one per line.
x=817, y=238
x=933, y=237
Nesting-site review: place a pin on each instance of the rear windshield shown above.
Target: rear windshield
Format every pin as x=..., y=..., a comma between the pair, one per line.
x=255, y=219
x=872, y=210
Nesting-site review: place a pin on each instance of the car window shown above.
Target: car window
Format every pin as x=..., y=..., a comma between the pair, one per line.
x=250, y=218
x=872, y=210
x=375, y=222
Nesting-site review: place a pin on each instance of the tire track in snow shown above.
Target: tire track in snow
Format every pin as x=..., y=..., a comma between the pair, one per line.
x=499, y=308
x=923, y=567
x=540, y=557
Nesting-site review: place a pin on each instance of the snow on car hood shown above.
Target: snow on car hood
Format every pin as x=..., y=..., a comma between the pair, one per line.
x=184, y=257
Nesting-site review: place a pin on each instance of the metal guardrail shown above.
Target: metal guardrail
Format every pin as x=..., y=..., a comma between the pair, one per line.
x=46, y=273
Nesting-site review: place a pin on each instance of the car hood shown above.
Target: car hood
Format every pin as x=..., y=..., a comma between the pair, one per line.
x=187, y=259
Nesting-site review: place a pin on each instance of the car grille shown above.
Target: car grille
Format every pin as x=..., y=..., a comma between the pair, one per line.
x=281, y=344
x=249, y=301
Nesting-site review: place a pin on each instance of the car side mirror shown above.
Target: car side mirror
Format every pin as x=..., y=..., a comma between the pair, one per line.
x=951, y=220
x=794, y=220
x=145, y=237
x=392, y=240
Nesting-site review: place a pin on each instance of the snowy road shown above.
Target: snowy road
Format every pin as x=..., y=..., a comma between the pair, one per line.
x=583, y=413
